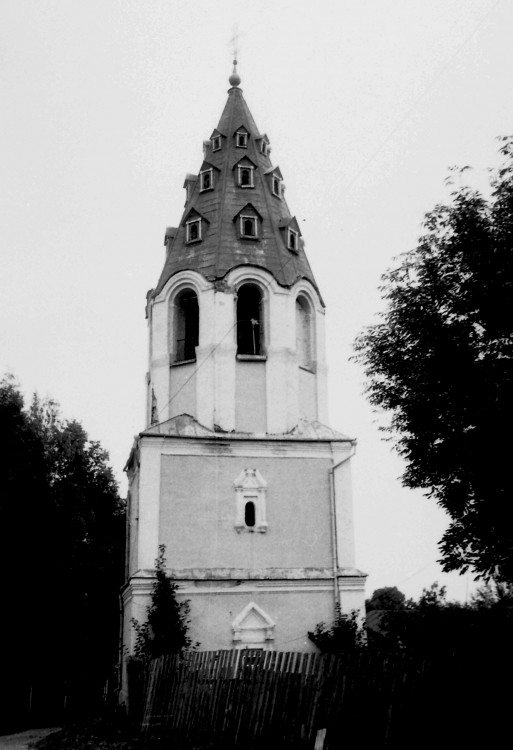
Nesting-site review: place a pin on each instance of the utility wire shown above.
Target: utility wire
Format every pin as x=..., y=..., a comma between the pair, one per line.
x=424, y=93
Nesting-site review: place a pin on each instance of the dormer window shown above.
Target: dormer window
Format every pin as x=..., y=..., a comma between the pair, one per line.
x=248, y=227
x=263, y=146
x=193, y=230
x=247, y=223
x=292, y=240
x=274, y=179
x=245, y=174
x=190, y=182
x=206, y=180
x=195, y=226
x=241, y=139
x=290, y=233
x=216, y=143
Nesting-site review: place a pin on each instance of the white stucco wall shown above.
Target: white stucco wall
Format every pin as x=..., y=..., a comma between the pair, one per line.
x=198, y=512
x=282, y=394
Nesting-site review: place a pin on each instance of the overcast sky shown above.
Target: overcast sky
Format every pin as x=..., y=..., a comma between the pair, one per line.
x=105, y=104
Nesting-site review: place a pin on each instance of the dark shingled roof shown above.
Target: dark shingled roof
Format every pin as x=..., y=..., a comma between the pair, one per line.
x=221, y=249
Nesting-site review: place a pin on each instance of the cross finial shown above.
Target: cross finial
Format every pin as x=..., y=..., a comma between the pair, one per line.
x=235, y=77
x=235, y=42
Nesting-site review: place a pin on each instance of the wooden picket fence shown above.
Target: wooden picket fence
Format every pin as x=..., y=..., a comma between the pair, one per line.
x=257, y=699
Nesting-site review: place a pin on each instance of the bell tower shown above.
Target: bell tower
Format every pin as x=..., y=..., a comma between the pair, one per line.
x=236, y=471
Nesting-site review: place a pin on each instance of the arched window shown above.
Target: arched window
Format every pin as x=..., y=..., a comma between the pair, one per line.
x=249, y=514
x=250, y=492
x=303, y=332
x=186, y=328
x=249, y=320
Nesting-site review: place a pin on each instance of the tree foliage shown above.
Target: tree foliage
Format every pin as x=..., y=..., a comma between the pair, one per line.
x=166, y=626
x=61, y=546
x=429, y=626
x=440, y=363
x=345, y=634
x=387, y=598
x=434, y=625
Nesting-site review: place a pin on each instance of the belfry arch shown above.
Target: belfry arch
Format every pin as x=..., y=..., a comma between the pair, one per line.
x=250, y=320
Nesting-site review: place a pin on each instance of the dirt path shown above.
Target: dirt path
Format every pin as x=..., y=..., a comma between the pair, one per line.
x=20, y=740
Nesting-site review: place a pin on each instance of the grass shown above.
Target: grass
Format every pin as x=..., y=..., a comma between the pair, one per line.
x=95, y=736
x=112, y=735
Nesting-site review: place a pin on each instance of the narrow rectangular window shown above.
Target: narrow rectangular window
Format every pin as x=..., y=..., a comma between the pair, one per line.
x=248, y=226
x=246, y=177
x=216, y=143
x=193, y=230
x=206, y=180
x=293, y=240
x=242, y=140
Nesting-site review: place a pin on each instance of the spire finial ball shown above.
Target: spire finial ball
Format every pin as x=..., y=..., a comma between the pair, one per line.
x=234, y=79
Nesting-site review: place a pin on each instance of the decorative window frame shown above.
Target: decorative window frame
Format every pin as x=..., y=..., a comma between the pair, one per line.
x=292, y=240
x=241, y=139
x=251, y=170
x=203, y=175
x=216, y=143
x=276, y=186
x=250, y=487
x=291, y=234
x=254, y=219
x=253, y=628
x=264, y=145
x=188, y=230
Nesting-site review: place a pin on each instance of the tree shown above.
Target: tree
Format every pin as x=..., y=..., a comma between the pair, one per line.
x=345, y=634
x=61, y=549
x=166, y=626
x=387, y=598
x=440, y=363
x=433, y=625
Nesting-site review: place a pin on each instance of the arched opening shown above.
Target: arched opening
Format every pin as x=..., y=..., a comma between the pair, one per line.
x=186, y=329
x=249, y=514
x=249, y=320
x=303, y=332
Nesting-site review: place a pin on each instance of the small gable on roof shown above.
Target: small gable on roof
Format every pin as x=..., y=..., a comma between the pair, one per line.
x=193, y=214
x=244, y=161
x=216, y=133
x=189, y=178
x=248, y=210
x=208, y=165
x=275, y=171
x=241, y=129
x=289, y=222
x=170, y=234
